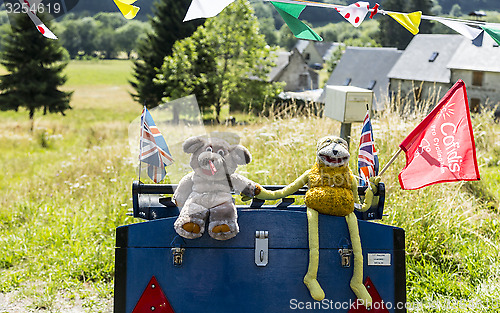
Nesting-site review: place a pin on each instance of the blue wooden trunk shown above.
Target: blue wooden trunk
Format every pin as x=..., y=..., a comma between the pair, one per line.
x=223, y=276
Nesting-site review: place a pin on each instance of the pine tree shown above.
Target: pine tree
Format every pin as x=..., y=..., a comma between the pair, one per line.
x=391, y=33
x=426, y=7
x=167, y=28
x=35, y=66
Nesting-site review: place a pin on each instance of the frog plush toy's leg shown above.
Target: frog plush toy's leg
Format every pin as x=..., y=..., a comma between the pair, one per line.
x=310, y=280
x=357, y=275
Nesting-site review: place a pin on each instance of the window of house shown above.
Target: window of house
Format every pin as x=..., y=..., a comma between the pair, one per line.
x=477, y=78
x=371, y=84
x=347, y=81
x=307, y=56
x=433, y=56
x=475, y=105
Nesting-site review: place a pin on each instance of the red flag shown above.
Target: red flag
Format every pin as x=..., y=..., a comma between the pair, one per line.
x=441, y=148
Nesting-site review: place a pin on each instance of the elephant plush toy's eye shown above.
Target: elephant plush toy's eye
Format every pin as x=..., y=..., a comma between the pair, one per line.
x=209, y=149
x=221, y=152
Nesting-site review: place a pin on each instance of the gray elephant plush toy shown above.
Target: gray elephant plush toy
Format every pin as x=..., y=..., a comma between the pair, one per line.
x=205, y=194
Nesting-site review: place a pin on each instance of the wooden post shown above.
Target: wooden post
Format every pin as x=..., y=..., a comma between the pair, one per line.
x=345, y=132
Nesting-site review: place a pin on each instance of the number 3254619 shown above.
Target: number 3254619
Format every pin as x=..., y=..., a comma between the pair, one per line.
x=35, y=8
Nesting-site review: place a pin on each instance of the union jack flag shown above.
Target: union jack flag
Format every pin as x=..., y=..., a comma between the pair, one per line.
x=154, y=149
x=367, y=158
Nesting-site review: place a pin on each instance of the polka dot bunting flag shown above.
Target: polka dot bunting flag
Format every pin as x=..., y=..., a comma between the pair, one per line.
x=355, y=13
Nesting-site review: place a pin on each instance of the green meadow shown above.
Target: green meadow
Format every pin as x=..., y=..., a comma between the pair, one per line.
x=66, y=186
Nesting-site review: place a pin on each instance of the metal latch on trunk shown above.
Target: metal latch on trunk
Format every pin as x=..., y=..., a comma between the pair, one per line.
x=261, y=248
x=345, y=256
x=177, y=254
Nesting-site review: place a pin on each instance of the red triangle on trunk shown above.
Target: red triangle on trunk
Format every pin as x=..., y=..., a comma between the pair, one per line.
x=153, y=300
x=378, y=305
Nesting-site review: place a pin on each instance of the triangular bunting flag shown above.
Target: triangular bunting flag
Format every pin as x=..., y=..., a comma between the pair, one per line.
x=40, y=26
x=290, y=13
x=377, y=303
x=45, y=31
x=355, y=13
x=205, y=8
x=127, y=1
x=410, y=21
x=129, y=11
x=462, y=28
x=493, y=32
x=153, y=299
x=478, y=41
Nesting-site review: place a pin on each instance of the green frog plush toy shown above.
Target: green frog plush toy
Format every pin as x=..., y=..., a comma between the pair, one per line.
x=332, y=190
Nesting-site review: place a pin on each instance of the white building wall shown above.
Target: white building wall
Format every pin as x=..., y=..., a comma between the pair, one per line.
x=296, y=75
x=430, y=91
x=314, y=56
x=488, y=94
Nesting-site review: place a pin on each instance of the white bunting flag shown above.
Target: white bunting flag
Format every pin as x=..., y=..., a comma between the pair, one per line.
x=355, y=13
x=45, y=31
x=32, y=8
x=205, y=8
x=463, y=29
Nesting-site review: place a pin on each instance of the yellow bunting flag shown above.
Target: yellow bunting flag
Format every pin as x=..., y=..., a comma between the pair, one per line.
x=410, y=21
x=128, y=10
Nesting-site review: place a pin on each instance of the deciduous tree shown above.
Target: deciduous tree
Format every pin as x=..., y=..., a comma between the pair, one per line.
x=225, y=59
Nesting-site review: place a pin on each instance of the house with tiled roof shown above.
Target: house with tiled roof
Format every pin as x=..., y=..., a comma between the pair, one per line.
x=316, y=52
x=432, y=63
x=291, y=68
x=365, y=67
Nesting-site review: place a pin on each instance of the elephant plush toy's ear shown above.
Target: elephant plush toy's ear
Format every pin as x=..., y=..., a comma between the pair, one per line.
x=241, y=155
x=191, y=145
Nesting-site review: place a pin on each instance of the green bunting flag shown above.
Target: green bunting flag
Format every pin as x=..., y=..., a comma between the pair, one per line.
x=493, y=32
x=290, y=13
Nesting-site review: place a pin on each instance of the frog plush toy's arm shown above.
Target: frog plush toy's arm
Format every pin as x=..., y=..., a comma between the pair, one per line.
x=265, y=194
x=367, y=203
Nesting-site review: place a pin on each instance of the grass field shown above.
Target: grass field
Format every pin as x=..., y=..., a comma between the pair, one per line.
x=66, y=187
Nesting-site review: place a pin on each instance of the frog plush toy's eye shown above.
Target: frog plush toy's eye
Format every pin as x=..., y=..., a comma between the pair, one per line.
x=209, y=149
x=221, y=152
x=341, y=141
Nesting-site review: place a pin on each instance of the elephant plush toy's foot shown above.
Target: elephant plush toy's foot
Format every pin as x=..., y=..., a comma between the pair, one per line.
x=362, y=294
x=223, y=230
x=315, y=289
x=191, y=227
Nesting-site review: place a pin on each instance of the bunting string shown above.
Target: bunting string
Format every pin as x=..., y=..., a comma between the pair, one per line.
x=384, y=12
x=354, y=13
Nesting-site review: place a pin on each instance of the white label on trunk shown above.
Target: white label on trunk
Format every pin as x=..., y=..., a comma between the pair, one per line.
x=379, y=259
